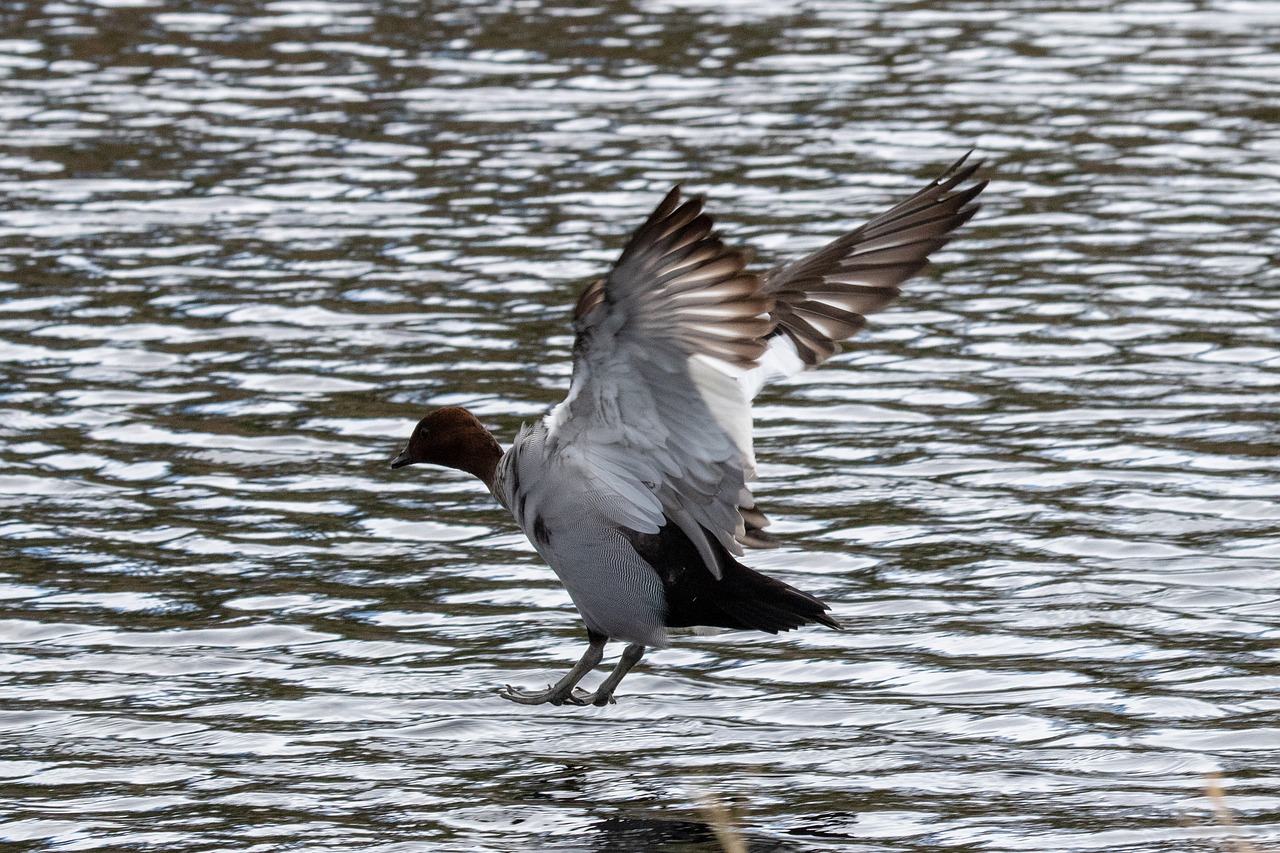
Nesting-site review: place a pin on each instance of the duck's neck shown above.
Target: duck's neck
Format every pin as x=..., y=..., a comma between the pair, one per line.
x=481, y=459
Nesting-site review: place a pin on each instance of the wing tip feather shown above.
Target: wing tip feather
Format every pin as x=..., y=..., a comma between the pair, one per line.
x=904, y=236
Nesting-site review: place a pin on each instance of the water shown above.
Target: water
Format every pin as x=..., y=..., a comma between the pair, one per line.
x=245, y=246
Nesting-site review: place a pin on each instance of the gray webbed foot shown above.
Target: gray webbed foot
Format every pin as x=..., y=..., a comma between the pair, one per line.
x=604, y=693
x=600, y=698
x=550, y=696
x=566, y=692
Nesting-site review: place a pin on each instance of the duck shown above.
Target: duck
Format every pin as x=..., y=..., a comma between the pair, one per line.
x=635, y=489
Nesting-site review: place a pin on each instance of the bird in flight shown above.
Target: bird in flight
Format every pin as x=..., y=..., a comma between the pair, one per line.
x=634, y=488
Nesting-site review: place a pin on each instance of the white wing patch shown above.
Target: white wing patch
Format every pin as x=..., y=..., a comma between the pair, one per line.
x=725, y=390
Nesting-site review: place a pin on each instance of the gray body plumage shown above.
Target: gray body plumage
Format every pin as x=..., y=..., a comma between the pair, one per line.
x=571, y=524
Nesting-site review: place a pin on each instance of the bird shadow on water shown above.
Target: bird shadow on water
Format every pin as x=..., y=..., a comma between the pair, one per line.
x=620, y=833
x=629, y=833
x=720, y=831
x=693, y=821
x=715, y=829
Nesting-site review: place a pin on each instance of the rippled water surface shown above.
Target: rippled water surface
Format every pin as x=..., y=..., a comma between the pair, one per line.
x=245, y=245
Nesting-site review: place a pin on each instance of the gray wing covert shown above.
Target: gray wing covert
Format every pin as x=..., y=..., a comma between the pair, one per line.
x=639, y=413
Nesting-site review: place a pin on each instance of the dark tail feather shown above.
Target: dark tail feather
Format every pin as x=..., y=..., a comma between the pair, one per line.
x=740, y=598
x=745, y=598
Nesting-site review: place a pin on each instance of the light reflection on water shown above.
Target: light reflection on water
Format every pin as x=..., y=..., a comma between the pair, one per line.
x=243, y=250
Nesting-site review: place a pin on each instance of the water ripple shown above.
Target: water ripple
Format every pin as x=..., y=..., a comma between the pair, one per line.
x=246, y=247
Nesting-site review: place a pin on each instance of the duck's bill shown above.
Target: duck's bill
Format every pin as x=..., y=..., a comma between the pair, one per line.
x=401, y=460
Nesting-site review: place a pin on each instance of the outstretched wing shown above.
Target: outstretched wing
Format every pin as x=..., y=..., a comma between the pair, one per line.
x=655, y=417
x=673, y=344
x=823, y=298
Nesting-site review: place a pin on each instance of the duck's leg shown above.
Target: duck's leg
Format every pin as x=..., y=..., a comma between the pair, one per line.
x=563, y=690
x=604, y=693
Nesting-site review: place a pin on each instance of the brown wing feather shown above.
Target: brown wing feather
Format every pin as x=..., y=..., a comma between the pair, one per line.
x=679, y=283
x=592, y=295
x=823, y=298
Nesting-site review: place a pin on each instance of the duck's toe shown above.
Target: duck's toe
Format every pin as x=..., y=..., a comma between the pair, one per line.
x=600, y=698
x=550, y=696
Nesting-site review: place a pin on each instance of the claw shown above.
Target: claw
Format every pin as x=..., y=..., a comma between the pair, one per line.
x=550, y=696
